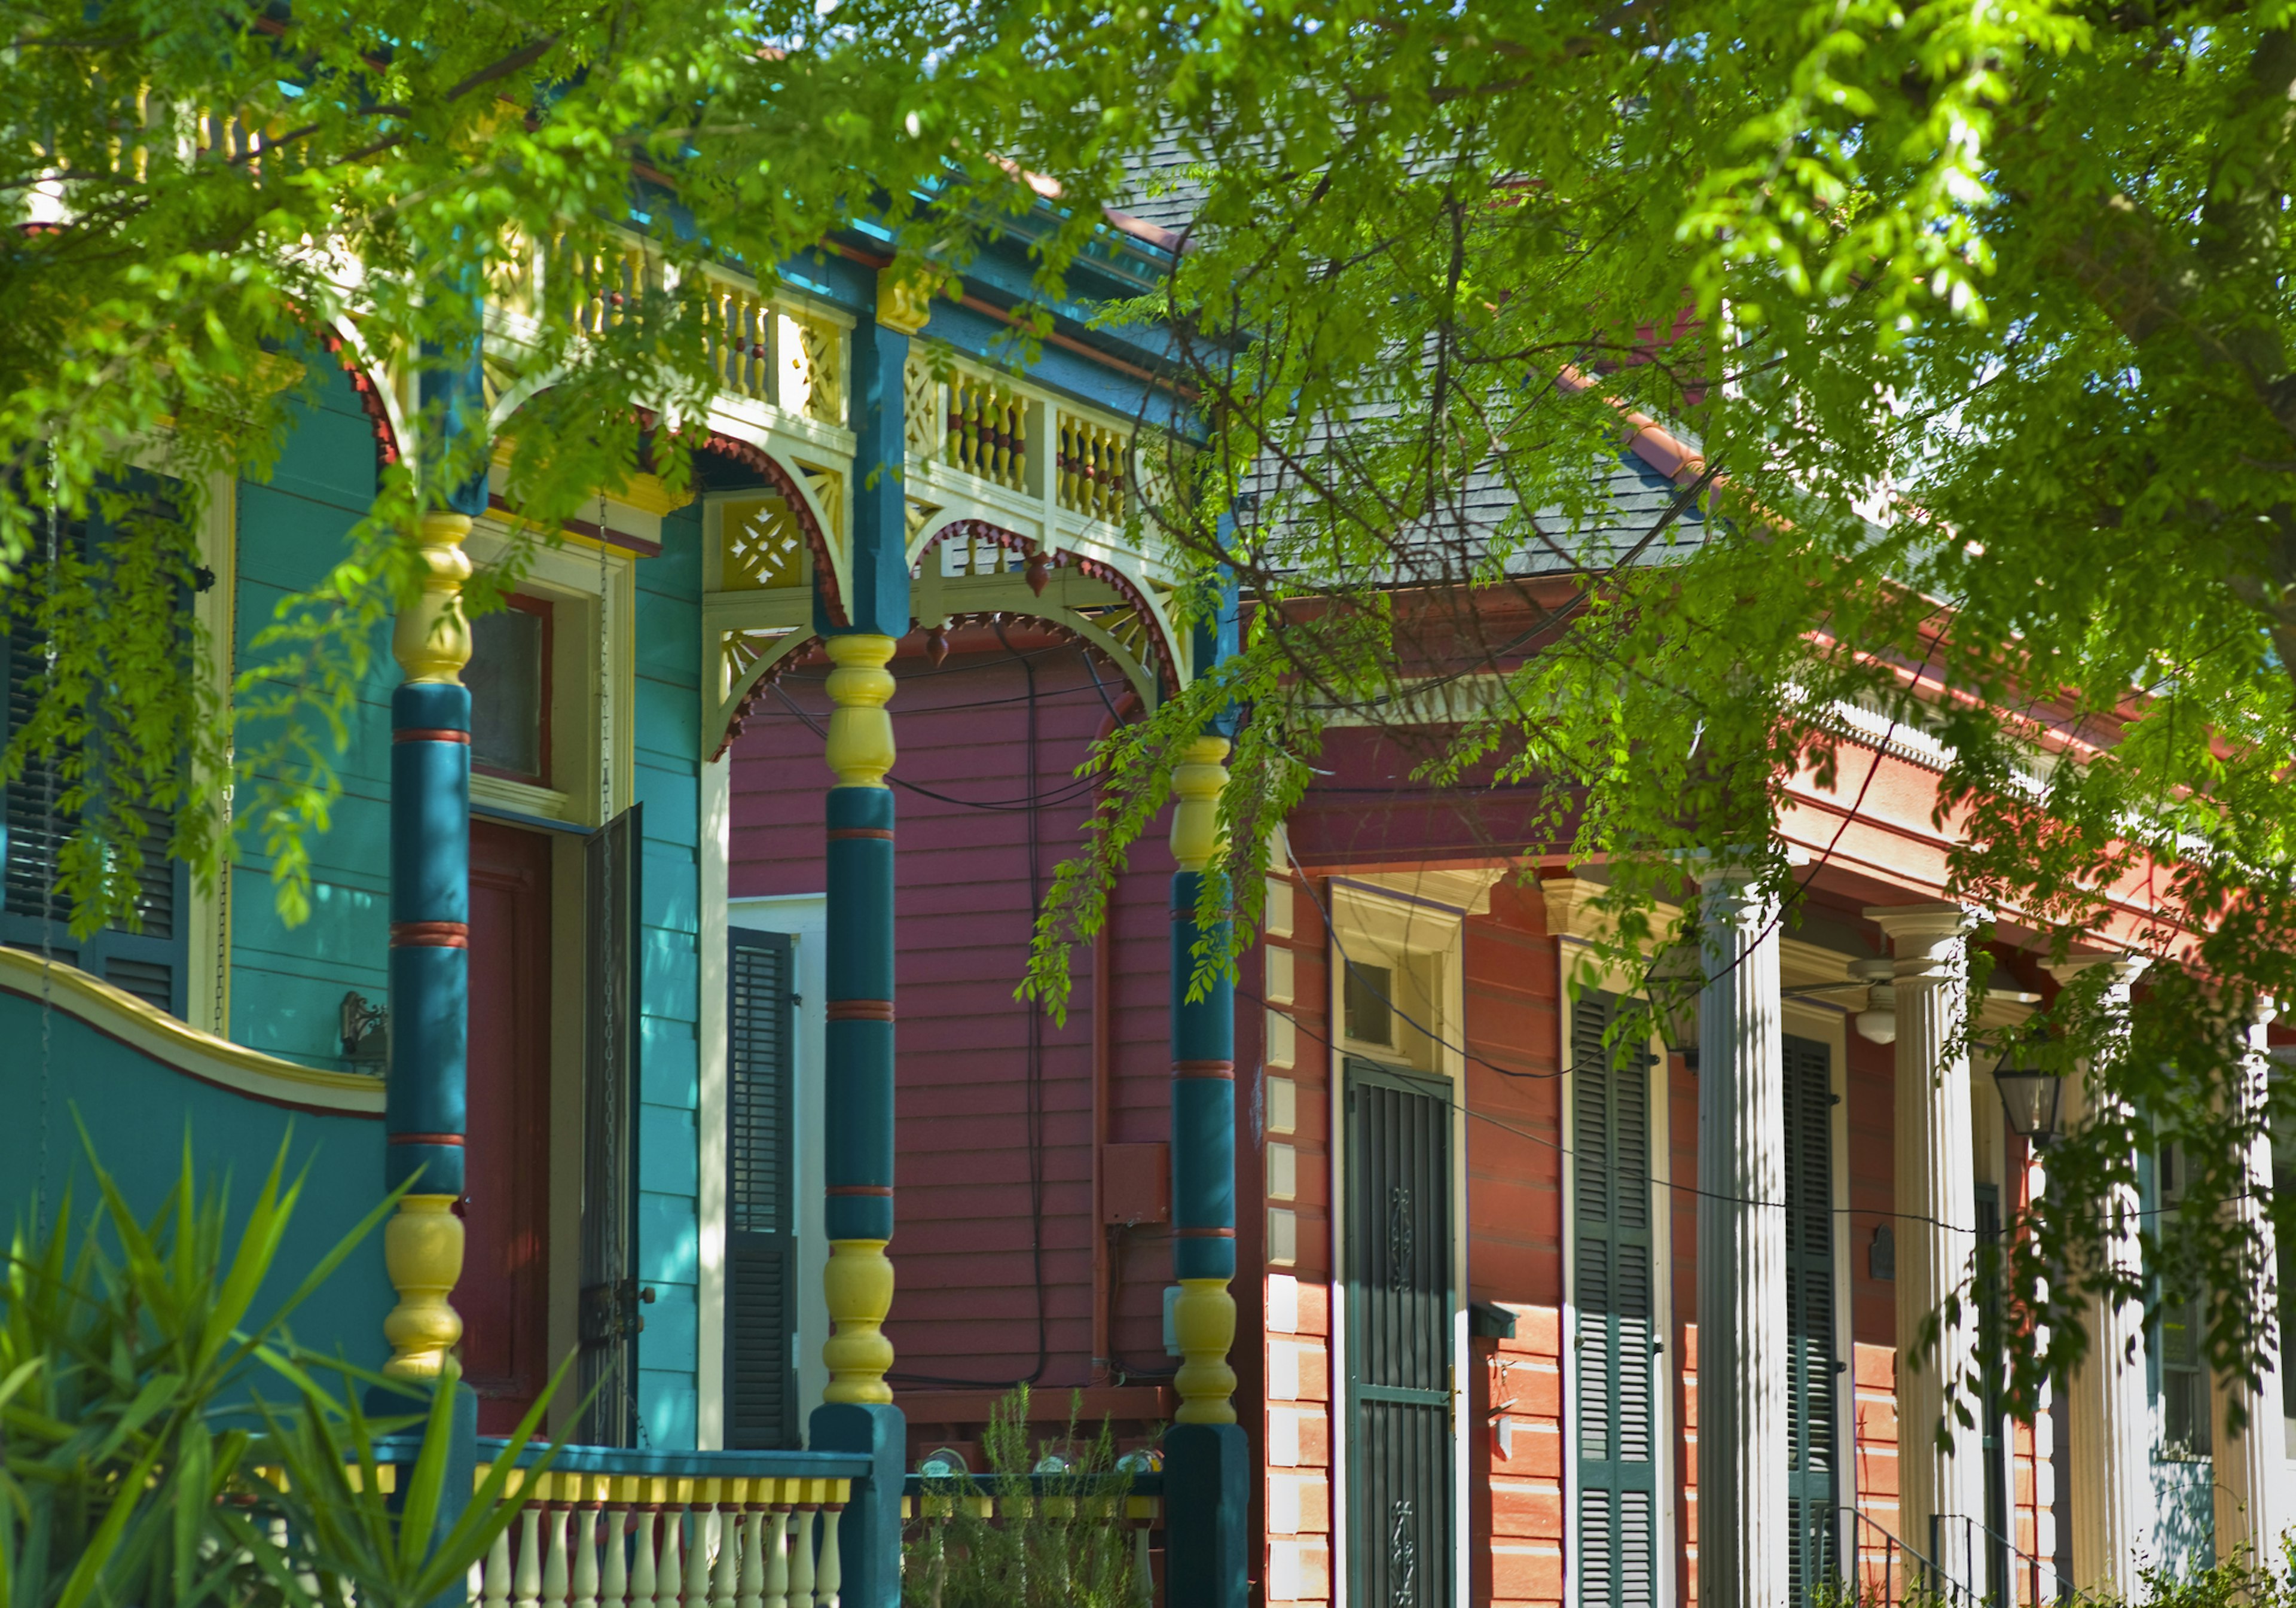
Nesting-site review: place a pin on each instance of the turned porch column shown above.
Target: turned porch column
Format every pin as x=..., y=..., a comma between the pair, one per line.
x=857, y=1414
x=1744, y=1515
x=2109, y=1416
x=1208, y=1469
x=2253, y=1509
x=427, y=1066
x=1936, y=1232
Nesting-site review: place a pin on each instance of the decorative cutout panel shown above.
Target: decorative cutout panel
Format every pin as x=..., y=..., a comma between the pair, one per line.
x=762, y=547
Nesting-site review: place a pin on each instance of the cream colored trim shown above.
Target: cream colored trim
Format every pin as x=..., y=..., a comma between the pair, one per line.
x=152, y=1032
x=717, y=792
x=568, y=571
x=1415, y=922
x=207, y=922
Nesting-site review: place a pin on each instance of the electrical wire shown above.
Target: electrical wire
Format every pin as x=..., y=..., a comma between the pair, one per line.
x=1033, y=1106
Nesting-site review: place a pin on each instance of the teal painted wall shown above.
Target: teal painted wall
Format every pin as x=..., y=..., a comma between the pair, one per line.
x=287, y=986
x=667, y=719
x=137, y=1112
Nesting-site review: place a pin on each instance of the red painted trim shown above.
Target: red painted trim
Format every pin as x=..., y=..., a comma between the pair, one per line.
x=860, y=1010
x=1224, y=1071
x=1203, y=1234
x=879, y=1191
x=457, y=1140
x=430, y=935
x=370, y=395
x=838, y=834
x=430, y=734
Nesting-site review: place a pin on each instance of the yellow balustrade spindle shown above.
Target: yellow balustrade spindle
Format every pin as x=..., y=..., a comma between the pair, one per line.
x=642, y=1571
x=752, y=1591
x=586, y=1552
x=777, y=1570
x=725, y=1568
x=527, y=1583
x=494, y=1579
x=614, y=1590
x=556, y=1573
x=801, y=1557
x=829, y=1574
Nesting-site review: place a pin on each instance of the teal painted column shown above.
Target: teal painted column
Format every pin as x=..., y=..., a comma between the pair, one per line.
x=858, y=1412
x=424, y=1089
x=1207, y=1465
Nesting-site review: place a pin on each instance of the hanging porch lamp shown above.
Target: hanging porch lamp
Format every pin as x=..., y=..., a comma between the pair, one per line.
x=1877, y=1023
x=2029, y=1096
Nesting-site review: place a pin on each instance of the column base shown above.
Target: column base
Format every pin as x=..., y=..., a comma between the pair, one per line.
x=869, y=1534
x=1207, y=1515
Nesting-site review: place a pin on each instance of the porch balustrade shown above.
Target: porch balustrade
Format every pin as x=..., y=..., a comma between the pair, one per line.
x=928, y=1505
x=696, y=1530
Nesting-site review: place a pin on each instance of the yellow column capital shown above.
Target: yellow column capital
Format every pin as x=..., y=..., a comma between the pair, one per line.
x=431, y=640
x=1203, y=1321
x=1196, y=784
x=422, y=1252
x=858, y=1283
x=860, y=746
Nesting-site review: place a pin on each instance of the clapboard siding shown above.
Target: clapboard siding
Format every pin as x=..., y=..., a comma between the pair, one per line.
x=966, y=1306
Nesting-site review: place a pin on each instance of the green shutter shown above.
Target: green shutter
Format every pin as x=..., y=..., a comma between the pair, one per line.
x=761, y=1404
x=1814, y=1381
x=1614, y=1294
x=151, y=961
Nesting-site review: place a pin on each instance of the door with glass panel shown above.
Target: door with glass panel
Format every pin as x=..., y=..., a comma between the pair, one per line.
x=1398, y=1332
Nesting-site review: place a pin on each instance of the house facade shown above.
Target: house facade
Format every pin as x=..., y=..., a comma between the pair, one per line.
x=689, y=942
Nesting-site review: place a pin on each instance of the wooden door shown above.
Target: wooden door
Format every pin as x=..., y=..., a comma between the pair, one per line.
x=1399, y=1383
x=503, y=1295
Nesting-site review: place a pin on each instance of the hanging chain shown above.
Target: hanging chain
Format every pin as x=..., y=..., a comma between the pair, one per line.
x=612, y=1044
x=54, y=860
x=227, y=608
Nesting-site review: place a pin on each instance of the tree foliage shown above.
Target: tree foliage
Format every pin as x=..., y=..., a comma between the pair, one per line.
x=1972, y=322
x=1974, y=316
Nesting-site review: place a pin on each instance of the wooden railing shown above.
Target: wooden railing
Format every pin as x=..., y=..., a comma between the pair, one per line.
x=760, y=347
x=608, y=1527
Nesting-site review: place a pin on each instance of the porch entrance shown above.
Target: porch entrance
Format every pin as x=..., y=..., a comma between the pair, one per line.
x=1399, y=1326
x=503, y=1292
x=1814, y=1377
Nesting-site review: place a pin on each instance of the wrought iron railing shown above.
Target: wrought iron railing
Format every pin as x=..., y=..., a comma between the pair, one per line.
x=1883, y=1571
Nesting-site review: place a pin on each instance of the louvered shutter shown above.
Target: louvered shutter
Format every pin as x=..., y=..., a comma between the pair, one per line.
x=34, y=825
x=1812, y=1456
x=1613, y=1292
x=761, y=1405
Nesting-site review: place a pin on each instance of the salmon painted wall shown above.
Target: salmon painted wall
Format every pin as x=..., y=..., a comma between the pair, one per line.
x=995, y=1102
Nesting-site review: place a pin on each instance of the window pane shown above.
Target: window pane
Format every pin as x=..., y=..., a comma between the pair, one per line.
x=1370, y=1019
x=506, y=681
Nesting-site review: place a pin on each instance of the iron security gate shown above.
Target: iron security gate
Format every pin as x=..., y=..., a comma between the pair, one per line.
x=1613, y=1291
x=1399, y=1295
x=1813, y=1374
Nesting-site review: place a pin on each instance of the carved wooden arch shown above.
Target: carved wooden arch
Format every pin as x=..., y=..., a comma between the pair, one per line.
x=799, y=647
x=1167, y=670
x=375, y=398
x=785, y=484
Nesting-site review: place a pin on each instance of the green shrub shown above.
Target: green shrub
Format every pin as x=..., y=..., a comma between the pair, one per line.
x=140, y=1465
x=1060, y=1541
